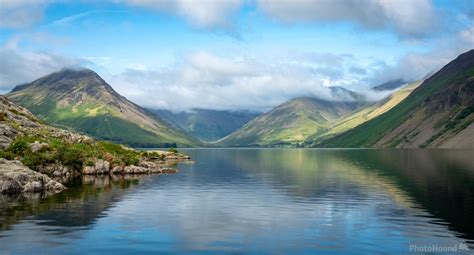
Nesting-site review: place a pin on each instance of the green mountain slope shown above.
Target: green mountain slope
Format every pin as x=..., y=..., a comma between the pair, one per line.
x=390, y=85
x=83, y=101
x=207, y=125
x=367, y=113
x=439, y=113
x=289, y=123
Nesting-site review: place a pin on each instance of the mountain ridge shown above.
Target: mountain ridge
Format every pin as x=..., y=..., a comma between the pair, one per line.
x=438, y=113
x=289, y=123
x=82, y=100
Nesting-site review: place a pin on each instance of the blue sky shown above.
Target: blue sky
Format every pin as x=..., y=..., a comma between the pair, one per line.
x=232, y=54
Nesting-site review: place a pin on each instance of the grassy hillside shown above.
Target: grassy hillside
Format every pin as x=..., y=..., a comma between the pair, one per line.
x=81, y=100
x=367, y=113
x=415, y=109
x=289, y=123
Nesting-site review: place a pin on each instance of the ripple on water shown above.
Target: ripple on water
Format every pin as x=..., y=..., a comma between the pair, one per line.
x=248, y=201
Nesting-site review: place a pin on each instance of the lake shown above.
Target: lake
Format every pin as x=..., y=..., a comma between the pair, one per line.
x=259, y=201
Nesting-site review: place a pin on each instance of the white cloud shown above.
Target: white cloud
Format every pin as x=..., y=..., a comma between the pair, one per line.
x=207, y=14
x=407, y=17
x=416, y=65
x=17, y=67
x=21, y=13
x=205, y=80
x=468, y=35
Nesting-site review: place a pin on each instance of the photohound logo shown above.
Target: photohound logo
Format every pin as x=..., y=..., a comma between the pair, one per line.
x=460, y=247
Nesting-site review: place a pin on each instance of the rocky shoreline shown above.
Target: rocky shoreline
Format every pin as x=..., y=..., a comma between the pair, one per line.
x=15, y=177
x=37, y=158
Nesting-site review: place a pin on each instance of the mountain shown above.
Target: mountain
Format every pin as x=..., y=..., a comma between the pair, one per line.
x=367, y=113
x=82, y=100
x=289, y=123
x=390, y=85
x=438, y=113
x=207, y=125
x=345, y=95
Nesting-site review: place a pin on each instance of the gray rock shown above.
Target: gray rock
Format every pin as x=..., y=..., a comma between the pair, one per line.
x=54, y=186
x=33, y=186
x=9, y=186
x=135, y=170
x=55, y=170
x=37, y=146
x=100, y=167
x=16, y=178
x=117, y=170
x=7, y=134
x=147, y=164
x=89, y=170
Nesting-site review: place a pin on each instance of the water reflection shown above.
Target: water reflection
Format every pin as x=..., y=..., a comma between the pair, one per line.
x=79, y=205
x=249, y=200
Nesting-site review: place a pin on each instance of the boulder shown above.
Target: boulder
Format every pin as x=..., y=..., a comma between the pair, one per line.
x=88, y=170
x=147, y=164
x=33, y=186
x=55, y=170
x=37, y=146
x=117, y=170
x=168, y=170
x=135, y=170
x=16, y=177
x=100, y=167
x=9, y=186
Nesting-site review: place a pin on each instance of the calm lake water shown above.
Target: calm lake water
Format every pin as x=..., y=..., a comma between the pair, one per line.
x=258, y=201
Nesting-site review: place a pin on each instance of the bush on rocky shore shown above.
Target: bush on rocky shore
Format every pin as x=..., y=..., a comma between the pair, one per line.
x=37, y=152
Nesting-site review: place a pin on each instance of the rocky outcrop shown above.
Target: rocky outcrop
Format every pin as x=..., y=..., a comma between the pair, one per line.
x=102, y=167
x=16, y=178
x=56, y=170
x=172, y=156
x=16, y=120
x=7, y=134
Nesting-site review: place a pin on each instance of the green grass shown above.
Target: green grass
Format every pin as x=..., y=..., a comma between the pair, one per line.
x=75, y=156
x=105, y=127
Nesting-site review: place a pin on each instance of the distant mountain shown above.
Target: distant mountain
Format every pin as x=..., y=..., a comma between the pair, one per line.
x=345, y=95
x=367, y=113
x=439, y=113
x=390, y=85
x=83, y=101
x=207, y=125
x=289, y=123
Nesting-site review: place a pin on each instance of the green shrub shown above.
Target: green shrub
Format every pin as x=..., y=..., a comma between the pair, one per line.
x=19, y=147
x=74, y=155
x=7, y=155
x=34, y=160
x=130, y=159
x=173, y=150
x=89, y=163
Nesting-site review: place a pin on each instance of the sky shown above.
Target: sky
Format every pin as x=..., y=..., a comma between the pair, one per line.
x=232, y=54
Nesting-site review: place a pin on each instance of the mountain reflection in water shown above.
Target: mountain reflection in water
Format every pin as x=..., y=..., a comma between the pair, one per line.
x=253, y=200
